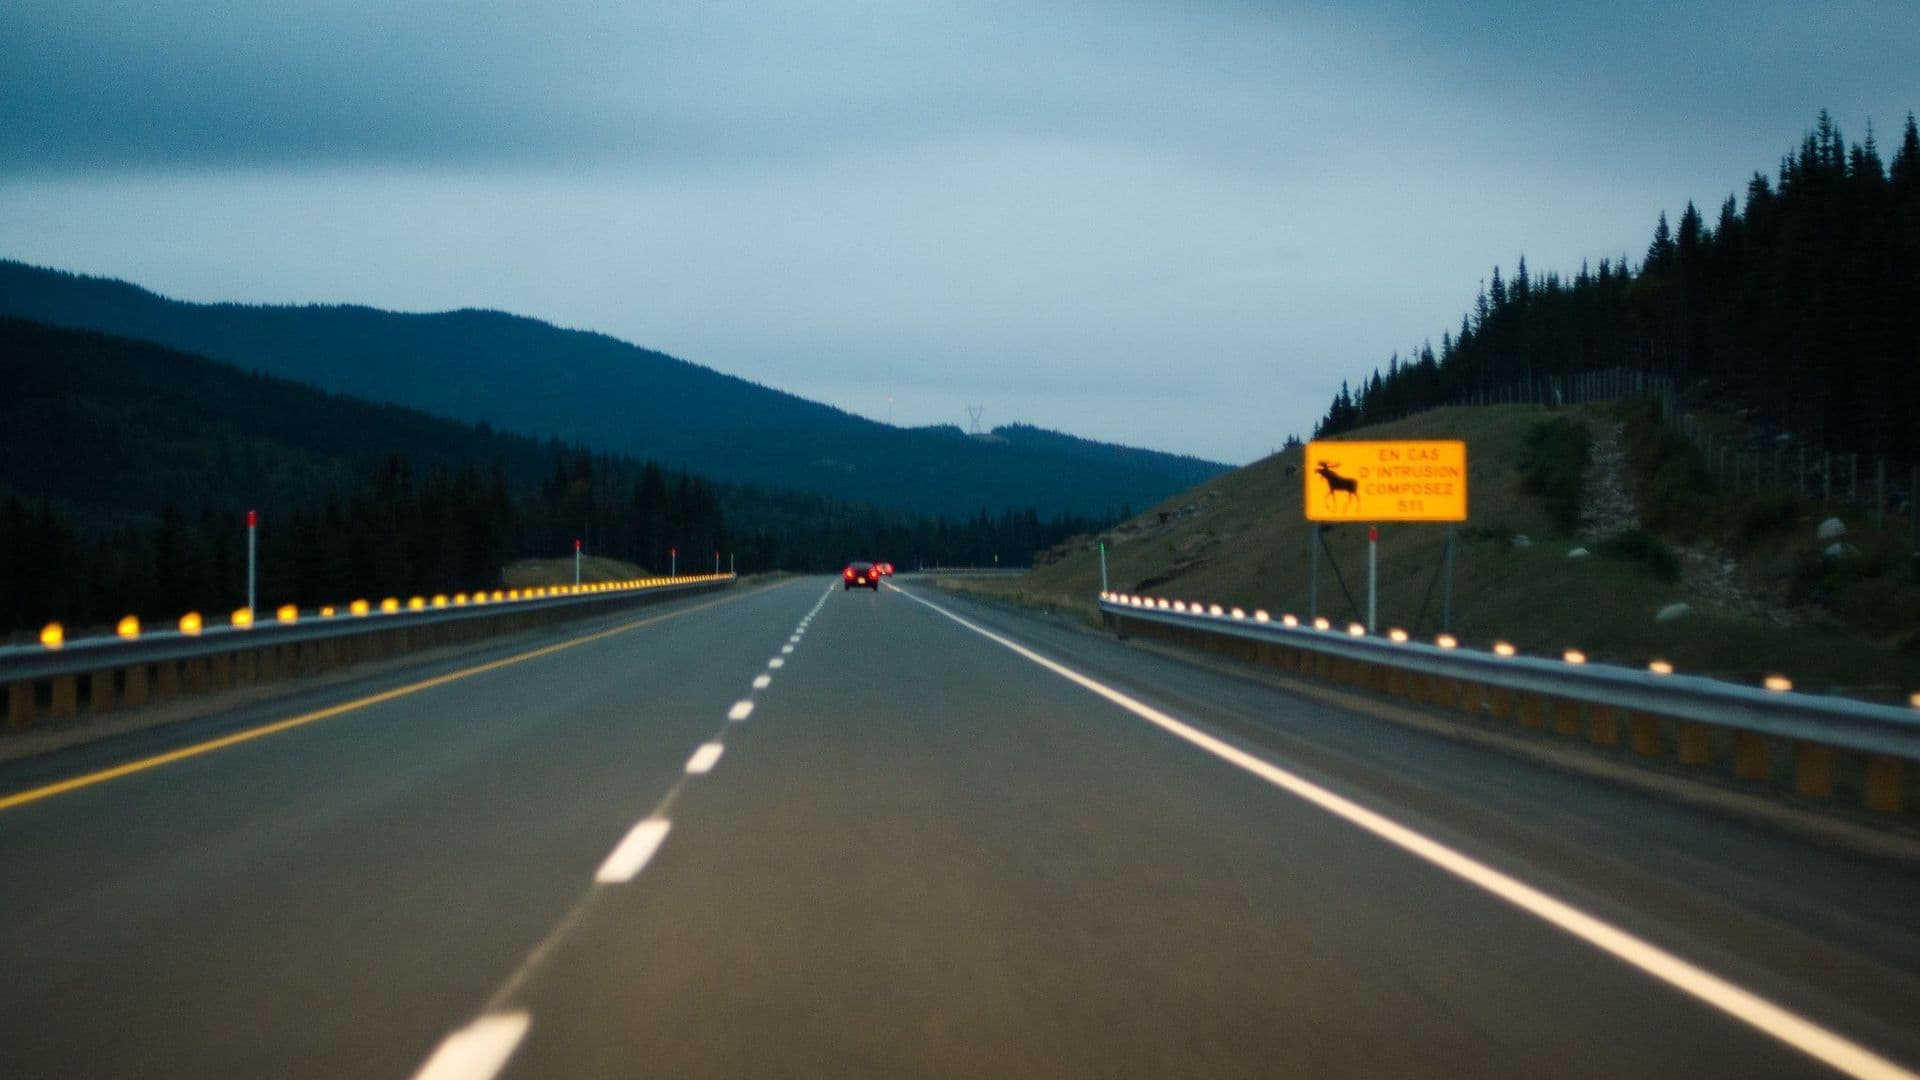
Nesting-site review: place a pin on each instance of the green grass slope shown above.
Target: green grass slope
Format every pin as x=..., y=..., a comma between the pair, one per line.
x=1241, y=538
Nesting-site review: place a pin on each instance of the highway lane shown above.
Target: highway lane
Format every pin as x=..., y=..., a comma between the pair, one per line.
x=326, y=901
x=919, y=853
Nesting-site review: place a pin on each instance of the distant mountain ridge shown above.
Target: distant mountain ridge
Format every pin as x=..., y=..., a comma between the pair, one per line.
x=525, y=375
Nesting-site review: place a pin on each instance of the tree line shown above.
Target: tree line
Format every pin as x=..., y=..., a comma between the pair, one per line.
x=1799, y=303
x=127, y=469
x=402, y=532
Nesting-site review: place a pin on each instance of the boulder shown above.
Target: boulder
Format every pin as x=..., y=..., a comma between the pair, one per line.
x=1578, y=553
x=1673, y=612
x=1831, y=529
x=1520, y=540
x=1839, y=550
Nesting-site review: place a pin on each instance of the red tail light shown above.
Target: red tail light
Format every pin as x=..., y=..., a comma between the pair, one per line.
x=849, y=573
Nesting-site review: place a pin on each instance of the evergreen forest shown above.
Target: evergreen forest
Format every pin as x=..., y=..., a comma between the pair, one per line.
x=1798, y=304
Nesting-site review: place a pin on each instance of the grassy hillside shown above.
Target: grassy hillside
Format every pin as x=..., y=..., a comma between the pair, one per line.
x=1241, y=538
x=525, y=375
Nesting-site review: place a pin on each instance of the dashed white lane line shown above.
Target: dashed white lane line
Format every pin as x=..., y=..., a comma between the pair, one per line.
x=482, y=1049
x=776, y=663
x=1784, y=1025
x=703, y=759
x=633, y=852
x=786, y=650
x=478, y=1051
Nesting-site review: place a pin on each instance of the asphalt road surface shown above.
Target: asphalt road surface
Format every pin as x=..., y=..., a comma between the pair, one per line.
x=798, y=831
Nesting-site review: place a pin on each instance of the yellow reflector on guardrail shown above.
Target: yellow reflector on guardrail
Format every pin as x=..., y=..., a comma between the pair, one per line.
x=53, y=635
x=190, y=623
x=128, y=627
x=288, y=614
x=241, y=617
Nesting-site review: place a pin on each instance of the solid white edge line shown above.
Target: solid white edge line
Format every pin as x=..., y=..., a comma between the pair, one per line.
x=740, y=711
x=1788, y=1027
x=704, y=759
x=633, y=852
x=478, y=1051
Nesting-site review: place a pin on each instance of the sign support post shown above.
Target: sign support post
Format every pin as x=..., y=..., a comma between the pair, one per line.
x=253, y=534
x=673, y=562
x=576, y=562
x=1446, y=597
x=1373, y=574
x=1103, y=566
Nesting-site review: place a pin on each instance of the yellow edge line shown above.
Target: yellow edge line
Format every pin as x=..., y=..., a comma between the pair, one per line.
x=21, y=798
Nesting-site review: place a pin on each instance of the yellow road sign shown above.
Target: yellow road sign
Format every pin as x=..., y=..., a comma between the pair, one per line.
x=1386, y=481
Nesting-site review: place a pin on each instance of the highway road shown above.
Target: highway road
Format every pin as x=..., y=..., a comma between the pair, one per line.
x=793, y=831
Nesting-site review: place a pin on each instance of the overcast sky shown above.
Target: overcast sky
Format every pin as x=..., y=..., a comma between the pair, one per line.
x=1176, y=225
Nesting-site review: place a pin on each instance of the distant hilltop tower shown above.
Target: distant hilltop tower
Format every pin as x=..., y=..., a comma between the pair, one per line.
x=974, y=412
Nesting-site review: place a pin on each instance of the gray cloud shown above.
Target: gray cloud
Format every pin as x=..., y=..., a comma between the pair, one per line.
x=1053, y=209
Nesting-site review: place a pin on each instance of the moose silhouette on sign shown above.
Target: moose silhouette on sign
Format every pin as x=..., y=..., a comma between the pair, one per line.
x=1337, y=483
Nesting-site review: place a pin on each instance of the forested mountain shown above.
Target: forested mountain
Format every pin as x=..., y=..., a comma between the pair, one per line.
x=525, y=375
x=126, y=469
x=1800, y=303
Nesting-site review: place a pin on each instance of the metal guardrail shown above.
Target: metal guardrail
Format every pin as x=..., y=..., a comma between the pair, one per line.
x=120, y=667
x=1887, y=736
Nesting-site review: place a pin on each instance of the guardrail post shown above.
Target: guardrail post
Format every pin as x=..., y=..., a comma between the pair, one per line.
x=1500, y=703
x=166, y=680
x=193, y=675
x=1603, y=725
x=66, y=696
x=1644, y=731
x=1468, y=697
x=1813, y=769
x=135, y=692
x=1530, y=713
x=1750, y=757
x=1695, y=747
x=1885, y=783
x=1566, y=717
x=1407, y=684
x=19, y=705
x=100, y=691
x=222, y=670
